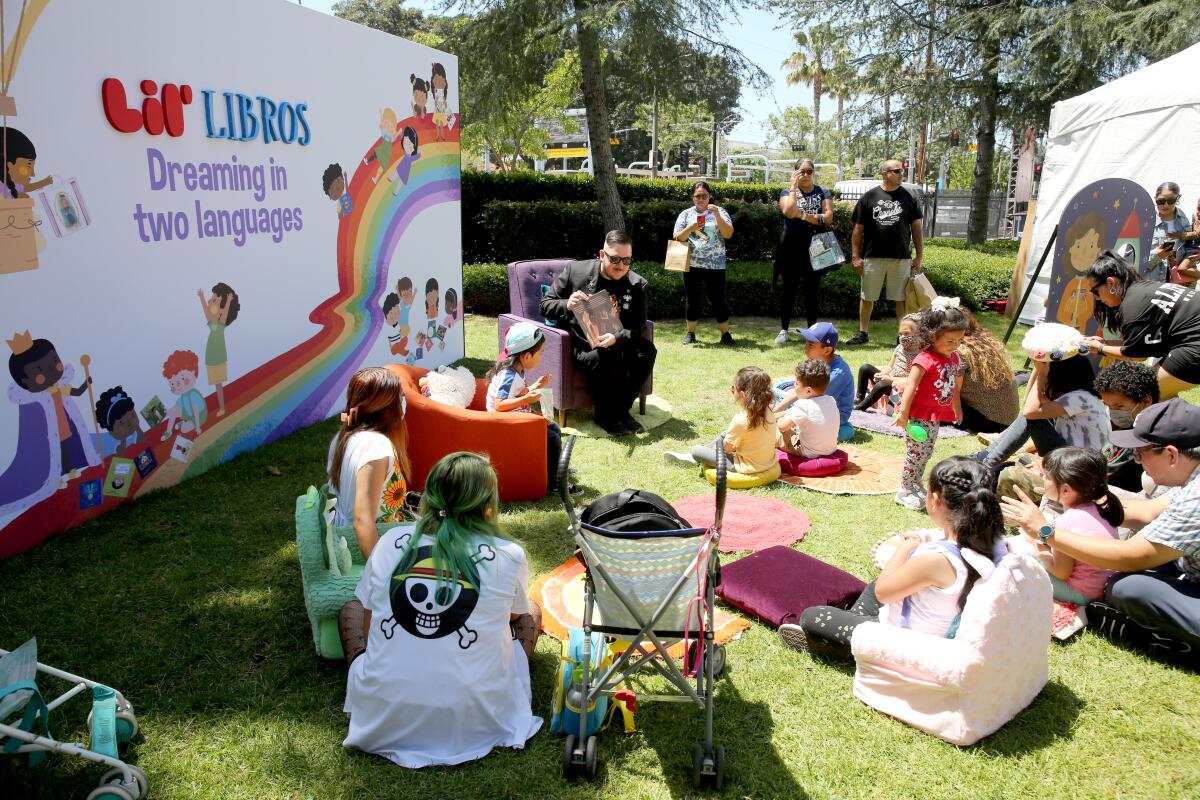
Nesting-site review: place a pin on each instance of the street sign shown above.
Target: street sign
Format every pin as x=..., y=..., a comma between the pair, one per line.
x=566, y=152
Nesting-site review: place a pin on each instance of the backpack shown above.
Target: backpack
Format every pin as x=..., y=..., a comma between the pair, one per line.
x=568, y=687
x=632, y=510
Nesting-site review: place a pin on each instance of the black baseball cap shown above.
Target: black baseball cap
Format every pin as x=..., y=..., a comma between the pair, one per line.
x=1174, y=422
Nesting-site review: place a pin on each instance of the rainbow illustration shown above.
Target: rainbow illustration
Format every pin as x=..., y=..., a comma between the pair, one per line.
x=299, y=387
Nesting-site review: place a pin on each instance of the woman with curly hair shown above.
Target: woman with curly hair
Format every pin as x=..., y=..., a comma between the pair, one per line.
x=989, y=389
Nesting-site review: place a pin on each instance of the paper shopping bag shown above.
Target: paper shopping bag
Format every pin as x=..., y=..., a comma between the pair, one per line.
x=918, y=292
x=679, y=256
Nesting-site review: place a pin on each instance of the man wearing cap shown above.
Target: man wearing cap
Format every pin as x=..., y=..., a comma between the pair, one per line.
x=820, y=341
x=887, y=223
x=1161, y=592
x=618, y=366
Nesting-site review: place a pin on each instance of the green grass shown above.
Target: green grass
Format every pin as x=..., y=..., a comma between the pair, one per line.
x=189, y=602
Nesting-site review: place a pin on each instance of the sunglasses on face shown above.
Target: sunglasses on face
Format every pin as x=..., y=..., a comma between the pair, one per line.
x=627, y=260
x=805, y=171
x=886, y=171
x=1166, y=201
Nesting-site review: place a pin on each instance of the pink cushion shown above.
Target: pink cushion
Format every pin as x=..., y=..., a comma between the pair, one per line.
x=803, y=467
x=778, y=583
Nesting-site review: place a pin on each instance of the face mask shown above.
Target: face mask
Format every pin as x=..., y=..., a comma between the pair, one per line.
x=1120, y=419
x=910, y=342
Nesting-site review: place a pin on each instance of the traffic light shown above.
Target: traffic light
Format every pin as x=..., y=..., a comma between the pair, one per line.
x=1037, y=170
x=954, y=138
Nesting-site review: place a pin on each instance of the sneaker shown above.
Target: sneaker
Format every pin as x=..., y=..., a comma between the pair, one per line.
x=859, y=338
x=782, y=338
x=631, y=424
x=910, y=500
x=726, y=339
x=793, y=636
x=671, y=457
x=988, y=438
x=689, y=338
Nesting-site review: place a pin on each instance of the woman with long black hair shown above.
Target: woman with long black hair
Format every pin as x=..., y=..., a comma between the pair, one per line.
x=806, y=209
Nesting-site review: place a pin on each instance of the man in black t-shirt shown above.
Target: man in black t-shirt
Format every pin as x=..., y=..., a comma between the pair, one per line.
x=618, y=366
x=887, y=222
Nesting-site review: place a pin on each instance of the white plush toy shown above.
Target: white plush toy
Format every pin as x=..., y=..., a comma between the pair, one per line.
x=454, y=386
x=1052, y=341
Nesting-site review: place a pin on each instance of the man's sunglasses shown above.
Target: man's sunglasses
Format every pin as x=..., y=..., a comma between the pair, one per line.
x=886, y=171
x=627, y=260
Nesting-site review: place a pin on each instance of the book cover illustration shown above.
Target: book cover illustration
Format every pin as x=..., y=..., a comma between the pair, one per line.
x=597, y=316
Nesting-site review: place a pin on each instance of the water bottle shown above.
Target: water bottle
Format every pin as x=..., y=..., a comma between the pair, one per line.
x=104, y=721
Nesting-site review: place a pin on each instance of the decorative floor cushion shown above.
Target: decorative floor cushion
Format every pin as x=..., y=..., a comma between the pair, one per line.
x=831, y=464
x=743, y=480
x=778, y=583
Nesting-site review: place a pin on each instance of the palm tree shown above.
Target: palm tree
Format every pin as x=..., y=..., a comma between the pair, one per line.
x=812, y=65
x=843, y=83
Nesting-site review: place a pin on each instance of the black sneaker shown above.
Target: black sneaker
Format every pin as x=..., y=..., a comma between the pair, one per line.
x=631, y=424
x=727, y=340
x=859, y=338
x=689, y=338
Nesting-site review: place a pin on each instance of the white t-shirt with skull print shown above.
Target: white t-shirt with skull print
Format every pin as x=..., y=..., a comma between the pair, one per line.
x=441, y=681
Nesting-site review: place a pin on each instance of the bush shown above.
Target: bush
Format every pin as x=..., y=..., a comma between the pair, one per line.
x=971, y=276
x=993, y=247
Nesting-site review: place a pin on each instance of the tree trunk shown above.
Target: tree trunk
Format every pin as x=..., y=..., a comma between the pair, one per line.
x=985, y=139
x=591, y=70
x=817, y=87
x=887, y=125
x=841, y=141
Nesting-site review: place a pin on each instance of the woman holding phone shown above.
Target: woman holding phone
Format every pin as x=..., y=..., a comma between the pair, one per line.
x=705, y=226
x=806, y=209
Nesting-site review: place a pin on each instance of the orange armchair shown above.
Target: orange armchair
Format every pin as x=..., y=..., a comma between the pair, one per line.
x=515, y=443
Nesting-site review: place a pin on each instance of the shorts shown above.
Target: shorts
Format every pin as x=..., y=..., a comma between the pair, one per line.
x=217, y=373
x=877, y=271
x=1183, y=362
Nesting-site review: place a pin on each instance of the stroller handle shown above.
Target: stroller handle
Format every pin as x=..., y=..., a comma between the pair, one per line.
x=564, y=487
x=722, y=468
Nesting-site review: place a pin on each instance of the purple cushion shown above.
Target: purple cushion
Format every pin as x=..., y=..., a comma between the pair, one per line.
x=803, y=467
x=778, y=583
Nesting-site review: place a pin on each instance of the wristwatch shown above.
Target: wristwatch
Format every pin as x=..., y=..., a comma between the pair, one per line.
x=1045, y=532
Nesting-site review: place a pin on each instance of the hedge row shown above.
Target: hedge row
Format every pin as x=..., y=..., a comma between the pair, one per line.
x=971, y=276
x=479, y=188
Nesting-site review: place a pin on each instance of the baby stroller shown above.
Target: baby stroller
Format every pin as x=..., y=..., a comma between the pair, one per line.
x=22, y=701
x=653, y=587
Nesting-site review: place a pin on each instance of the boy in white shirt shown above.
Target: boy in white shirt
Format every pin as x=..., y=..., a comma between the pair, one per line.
x=810, y=427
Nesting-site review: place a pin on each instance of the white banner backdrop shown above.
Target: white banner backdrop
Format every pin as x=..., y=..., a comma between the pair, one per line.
x=215, y=211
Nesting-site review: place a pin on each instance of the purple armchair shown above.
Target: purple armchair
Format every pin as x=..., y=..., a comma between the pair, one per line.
x=528, y=281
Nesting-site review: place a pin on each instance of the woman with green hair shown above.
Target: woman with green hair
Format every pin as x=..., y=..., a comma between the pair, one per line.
x=440, y=680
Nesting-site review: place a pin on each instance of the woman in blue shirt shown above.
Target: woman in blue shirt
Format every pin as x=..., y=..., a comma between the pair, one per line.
x=705, y=227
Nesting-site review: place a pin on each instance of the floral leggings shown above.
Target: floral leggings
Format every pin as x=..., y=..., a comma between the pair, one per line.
x=917, y=454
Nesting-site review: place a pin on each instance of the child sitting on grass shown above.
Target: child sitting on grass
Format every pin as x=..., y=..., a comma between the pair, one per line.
x=891, y=378
x=809, y=429
x=524, y=344
x=1075, y=483
x=750, y=437
x=820, y=342
x=924, y=586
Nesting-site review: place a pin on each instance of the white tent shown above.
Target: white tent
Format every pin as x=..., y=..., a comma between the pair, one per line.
x=1144, y=127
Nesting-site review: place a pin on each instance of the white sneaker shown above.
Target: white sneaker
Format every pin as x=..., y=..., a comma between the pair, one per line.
x=793, y=636
x=987, y=438
x=910, y=500
x=782, y=338
x=678, y=458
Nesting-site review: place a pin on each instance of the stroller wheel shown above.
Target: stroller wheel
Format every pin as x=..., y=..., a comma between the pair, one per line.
x=719, y=767
x=718, y=660
x=590, y=759
x=127, y=725
x=113, y=791
x=697, y=765
x=568, y=754
x=113, y=776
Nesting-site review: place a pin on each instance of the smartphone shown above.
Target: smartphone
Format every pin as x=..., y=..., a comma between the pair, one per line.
x=700, y=220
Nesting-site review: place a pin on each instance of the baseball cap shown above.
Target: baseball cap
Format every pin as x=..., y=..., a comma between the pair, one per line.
x=521, y=337
x=823, y=333
x=1175, y=421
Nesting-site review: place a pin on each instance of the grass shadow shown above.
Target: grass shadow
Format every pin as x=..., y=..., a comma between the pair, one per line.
x=1049, y=720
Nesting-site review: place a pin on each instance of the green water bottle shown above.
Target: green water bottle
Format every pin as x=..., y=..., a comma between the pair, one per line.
x=104, y=721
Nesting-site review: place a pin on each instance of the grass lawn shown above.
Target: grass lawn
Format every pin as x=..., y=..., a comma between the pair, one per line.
x=189, y=602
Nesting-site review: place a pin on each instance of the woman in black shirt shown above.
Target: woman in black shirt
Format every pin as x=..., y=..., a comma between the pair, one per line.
x=1156, y=320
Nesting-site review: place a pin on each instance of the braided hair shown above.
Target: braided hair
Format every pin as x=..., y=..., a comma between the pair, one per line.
x=964, y=485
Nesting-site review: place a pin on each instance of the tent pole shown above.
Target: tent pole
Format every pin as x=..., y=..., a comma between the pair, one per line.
x=1032, y=283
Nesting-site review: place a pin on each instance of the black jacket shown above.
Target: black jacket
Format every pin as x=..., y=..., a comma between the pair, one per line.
x=583, y=276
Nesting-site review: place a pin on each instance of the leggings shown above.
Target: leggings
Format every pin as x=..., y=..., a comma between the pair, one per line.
x=1045, y=437
x=867, y=397
x=792, y=264
x=711, y=282
x=917, y=454
x=828, y=629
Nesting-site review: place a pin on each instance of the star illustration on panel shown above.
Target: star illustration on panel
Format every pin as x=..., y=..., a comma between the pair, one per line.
x=1116, y=203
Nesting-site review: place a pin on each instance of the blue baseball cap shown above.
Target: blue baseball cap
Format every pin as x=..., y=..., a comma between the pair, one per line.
x=821, y=333
x=520, y=337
